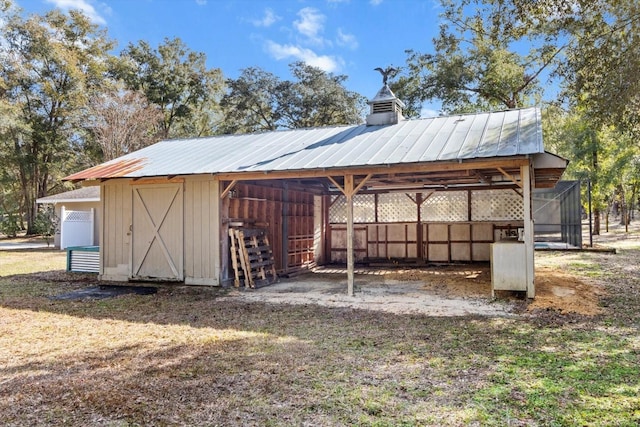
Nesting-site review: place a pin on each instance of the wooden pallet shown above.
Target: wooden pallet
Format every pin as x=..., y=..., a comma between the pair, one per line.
x=251, y=257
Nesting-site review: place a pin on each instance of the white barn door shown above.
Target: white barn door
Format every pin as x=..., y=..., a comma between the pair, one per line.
x=157, y=232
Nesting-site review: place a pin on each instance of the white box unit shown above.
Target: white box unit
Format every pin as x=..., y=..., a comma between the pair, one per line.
x=508, y=266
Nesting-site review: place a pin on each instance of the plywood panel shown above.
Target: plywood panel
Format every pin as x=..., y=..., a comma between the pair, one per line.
x=412, y=251
x=396, y=232
x=480, y=251
x=460, y=232
x=438, y=252
x=460, y=252
x=438, y=233
x=396, y=250
x=482, y=231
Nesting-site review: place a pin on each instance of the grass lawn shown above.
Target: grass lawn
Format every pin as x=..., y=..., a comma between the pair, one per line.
x=184, y=356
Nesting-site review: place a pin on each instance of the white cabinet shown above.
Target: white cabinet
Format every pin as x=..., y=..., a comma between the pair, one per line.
x=508, y=266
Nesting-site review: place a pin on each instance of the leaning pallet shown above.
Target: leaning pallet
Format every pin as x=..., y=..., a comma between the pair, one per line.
x=250, y=246
x=236, y=258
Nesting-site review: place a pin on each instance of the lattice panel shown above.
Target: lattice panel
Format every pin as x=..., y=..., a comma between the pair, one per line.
x=77, y=216
x=363, y=209
x=396, y=207
x=446, y=206
x=494, y=205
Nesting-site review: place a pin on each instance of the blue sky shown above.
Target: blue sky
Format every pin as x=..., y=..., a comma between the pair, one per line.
x=350, y=37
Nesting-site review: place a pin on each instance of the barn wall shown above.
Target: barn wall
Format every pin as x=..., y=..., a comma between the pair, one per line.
x=286, y=211
x=202, y=233
x=115, y=235
x=441, y=242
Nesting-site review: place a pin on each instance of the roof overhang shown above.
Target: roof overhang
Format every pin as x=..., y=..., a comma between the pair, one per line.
x=548, y=168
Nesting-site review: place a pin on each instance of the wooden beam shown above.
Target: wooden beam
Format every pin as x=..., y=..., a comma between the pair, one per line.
x=337, y=185
x=228, y=188
x=362, y=183
x=378, y=170
x=511, y=177
x=153, y=181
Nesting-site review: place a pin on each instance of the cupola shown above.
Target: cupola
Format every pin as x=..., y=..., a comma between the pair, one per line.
x=386, y=109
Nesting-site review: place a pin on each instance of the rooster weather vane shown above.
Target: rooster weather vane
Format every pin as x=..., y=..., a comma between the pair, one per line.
x=386, y=73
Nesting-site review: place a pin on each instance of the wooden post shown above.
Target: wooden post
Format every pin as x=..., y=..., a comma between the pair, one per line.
x=285, y=227
x=419, y=240
x=348, y=192
x=525, y=178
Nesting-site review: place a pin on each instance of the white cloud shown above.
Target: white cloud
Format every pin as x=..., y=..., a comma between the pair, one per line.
x=201, y=2
x=83, y=5
x=428, y=112
x=348, y=40
x=310, y=24
x=267, y=20
x=375, y=2
x=324, y=62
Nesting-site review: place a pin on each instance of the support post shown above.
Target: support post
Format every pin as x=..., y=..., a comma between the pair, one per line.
x=348, y=192
x=525, y=175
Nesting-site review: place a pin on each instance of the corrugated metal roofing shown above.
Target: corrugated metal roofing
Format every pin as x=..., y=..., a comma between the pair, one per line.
x=451, y=138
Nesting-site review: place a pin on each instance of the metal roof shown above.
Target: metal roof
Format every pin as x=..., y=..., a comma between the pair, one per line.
x=84, y=194
x=450, y=138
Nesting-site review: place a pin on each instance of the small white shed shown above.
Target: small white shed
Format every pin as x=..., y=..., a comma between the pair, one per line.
x=78, y=216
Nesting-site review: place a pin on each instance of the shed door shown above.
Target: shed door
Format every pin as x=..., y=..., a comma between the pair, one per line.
x=157, y=232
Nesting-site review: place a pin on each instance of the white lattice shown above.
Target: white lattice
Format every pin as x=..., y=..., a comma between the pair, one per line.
x=396, y=207
x=78, y=216
x=446, y=206
x=494, y=205
x=363, y=209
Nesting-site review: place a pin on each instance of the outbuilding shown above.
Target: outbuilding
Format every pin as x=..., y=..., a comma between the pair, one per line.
x=436, y=190
x=77, y=213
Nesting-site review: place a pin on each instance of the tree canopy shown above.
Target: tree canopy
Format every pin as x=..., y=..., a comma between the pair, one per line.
x=50, y=66
x=177, y=80
x=260, y=101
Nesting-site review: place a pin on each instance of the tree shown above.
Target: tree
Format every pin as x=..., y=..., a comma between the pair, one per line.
x=476, y=64
x=251, y=103
x=603, y=63
x=602, y=154
x=122, y=121
x=260, y=101
x=178, y=81
x=317, y=98
x=50, y=65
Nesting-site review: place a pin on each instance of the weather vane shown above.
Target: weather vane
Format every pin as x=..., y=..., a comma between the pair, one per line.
x=387, y=72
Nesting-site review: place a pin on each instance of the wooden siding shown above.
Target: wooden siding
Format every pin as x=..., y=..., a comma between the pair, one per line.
x=115, y=235
x=202, y=234
x=289, y=213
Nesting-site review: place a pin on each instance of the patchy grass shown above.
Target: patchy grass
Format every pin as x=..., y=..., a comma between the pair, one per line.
x=27, y=261
x=186, y=357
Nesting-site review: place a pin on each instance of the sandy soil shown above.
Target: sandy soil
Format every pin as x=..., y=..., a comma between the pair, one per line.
x=452, y=290
x=439, y=291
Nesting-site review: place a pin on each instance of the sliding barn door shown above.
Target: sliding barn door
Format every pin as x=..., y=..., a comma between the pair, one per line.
x=157, y=232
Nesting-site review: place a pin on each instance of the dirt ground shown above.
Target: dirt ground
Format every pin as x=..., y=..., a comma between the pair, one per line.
x=437, y=291
x=456, y=290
